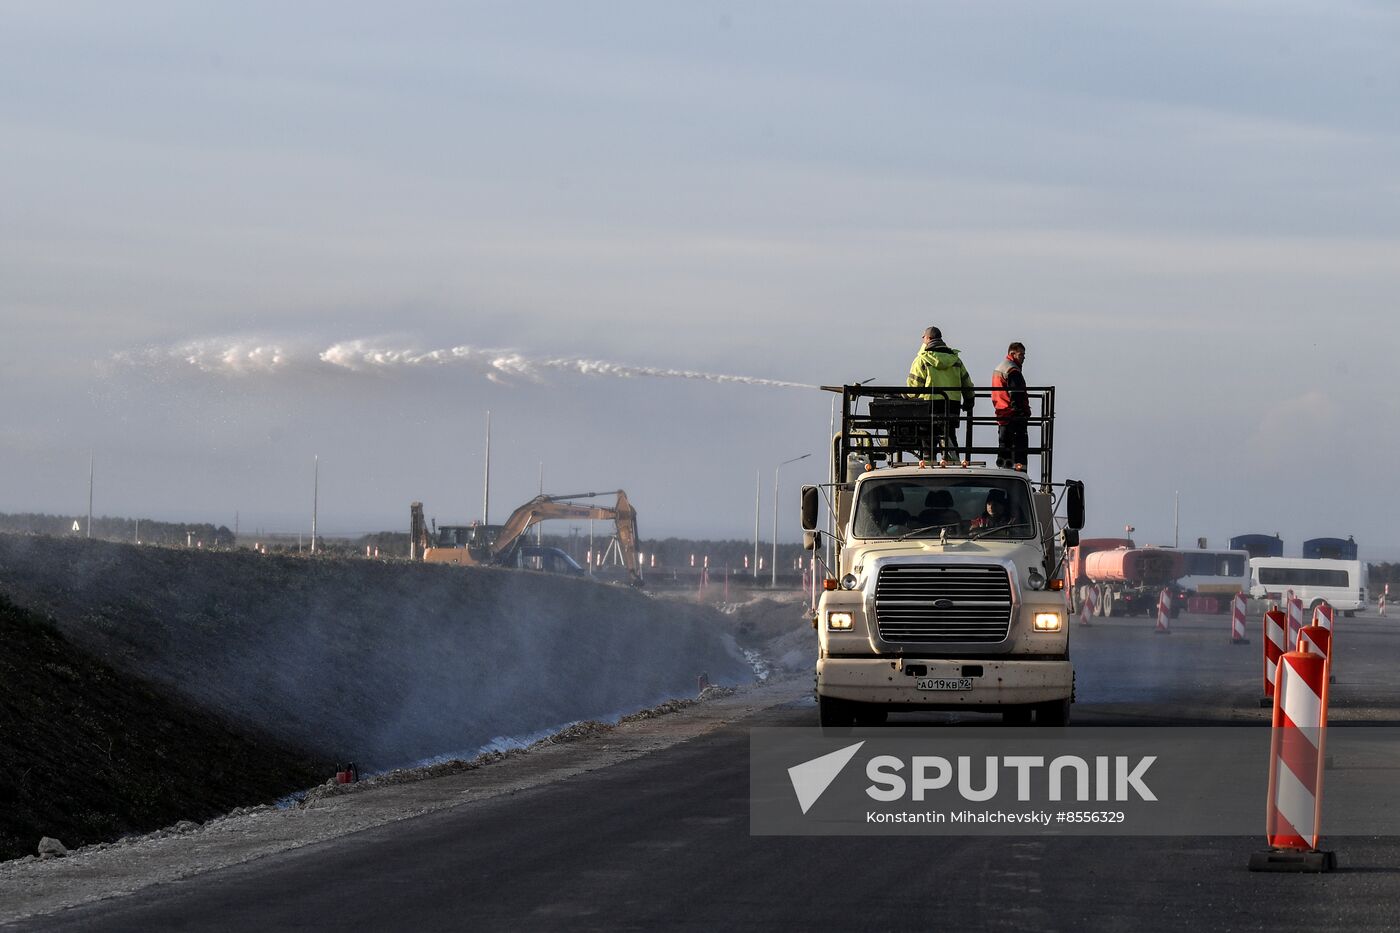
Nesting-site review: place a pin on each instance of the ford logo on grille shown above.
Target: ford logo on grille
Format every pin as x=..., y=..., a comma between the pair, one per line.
x=943, y=604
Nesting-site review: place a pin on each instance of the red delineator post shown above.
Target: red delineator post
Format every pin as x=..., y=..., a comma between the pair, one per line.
x=1238, y=607
x=1164, y=613
x=1275, y=644
x=1293, y=821
x=1295, y=617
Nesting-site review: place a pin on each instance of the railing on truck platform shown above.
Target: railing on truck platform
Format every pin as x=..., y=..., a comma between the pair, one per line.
x=899, y=423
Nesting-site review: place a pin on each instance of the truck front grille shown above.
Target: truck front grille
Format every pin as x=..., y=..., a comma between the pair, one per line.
x=977, y=604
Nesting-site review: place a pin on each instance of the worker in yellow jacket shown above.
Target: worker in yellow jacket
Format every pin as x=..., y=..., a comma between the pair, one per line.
x=938, y=367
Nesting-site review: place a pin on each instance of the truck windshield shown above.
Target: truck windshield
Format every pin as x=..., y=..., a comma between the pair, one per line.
x=980, y=506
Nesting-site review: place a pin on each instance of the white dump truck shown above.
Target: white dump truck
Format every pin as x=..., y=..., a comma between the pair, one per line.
x=943, y=586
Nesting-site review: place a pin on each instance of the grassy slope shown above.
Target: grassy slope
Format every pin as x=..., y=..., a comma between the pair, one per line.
x=87, y=754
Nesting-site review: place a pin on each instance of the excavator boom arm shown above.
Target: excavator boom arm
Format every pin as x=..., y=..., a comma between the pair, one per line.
x=543, y=508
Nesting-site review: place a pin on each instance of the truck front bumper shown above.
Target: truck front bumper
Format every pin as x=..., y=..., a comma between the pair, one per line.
x=893, y=683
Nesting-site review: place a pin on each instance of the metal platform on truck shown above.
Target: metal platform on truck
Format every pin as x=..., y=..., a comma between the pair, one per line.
x=897, y=424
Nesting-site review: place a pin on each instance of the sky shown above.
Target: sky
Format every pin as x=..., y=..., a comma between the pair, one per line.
x=234, y=238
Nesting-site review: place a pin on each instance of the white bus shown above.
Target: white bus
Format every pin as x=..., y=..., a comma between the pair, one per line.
x=1214, y=573
x=1339, y=582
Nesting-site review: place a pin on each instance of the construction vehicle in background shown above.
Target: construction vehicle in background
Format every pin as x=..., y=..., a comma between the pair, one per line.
x=478, y=545
x=1077, y=582
x=944, y=589
x=1131, y=579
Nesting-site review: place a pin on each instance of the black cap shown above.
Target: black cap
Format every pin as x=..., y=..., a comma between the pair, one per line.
x=933, y=333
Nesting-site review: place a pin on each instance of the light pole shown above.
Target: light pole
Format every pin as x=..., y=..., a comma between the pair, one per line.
x=774, y=568
x=757, y=487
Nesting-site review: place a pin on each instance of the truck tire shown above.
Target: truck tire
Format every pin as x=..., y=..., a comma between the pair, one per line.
x=1108, y=604
x=1054, y=713
x=833, y=713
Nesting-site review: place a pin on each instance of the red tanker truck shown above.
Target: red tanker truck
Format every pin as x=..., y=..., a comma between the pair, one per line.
x=1075, y=580
x=1129, y=578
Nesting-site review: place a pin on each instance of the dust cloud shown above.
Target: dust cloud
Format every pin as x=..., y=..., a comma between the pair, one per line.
x=241, y=357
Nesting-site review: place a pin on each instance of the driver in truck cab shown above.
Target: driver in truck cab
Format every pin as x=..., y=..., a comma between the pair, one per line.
x=995, y=514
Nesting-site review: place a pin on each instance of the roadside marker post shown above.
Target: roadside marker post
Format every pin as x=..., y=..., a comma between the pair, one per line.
x=1164, y=613
x=1275, y=643
x=1087, y=603
x=1295, y=617
x=1238, y=609
x=1323, y=615
x=1293, y=820
x=1315, y=639
x=1319, y=641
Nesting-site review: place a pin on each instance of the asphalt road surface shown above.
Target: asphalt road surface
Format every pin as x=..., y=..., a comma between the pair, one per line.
x=662, y=842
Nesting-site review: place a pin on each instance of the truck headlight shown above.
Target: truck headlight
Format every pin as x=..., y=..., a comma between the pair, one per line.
x=1036, y=579
x=849, y=581
x=840, y=621
x=1046, y=622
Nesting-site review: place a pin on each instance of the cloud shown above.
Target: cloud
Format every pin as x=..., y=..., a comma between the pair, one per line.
x=1306, y=423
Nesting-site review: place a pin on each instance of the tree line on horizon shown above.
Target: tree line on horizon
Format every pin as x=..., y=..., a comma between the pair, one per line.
x=671, y=553
x=124, y=530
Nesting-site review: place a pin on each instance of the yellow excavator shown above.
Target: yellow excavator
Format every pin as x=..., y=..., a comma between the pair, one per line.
x=478, y=545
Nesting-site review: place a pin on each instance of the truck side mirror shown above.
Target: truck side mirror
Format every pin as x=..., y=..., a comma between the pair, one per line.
x=1071, y=537
x=809, y=508
x=1074, y=503
x=811, y=540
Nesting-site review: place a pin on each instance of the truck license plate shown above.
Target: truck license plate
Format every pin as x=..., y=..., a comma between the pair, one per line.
x=944, y=683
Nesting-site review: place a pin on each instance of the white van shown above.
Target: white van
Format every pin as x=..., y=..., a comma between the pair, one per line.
x=1339, y=582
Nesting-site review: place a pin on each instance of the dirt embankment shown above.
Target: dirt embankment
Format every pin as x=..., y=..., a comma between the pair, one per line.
x=87, y=753
x=335, y=660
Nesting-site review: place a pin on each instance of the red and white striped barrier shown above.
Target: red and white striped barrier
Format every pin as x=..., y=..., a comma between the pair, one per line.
x=1238, y=608
x=1322, y=615
x=1295, y=617
x=1294, y=816
x=1164, y=613
x=1087, y=604
x=1315, y=639
x=1275, y=644
x=1319, y=641
x=1380, y=606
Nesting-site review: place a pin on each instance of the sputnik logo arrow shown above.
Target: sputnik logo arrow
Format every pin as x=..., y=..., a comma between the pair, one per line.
x=811, y=778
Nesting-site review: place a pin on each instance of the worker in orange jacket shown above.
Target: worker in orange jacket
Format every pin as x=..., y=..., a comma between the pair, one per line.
x=1013, y=408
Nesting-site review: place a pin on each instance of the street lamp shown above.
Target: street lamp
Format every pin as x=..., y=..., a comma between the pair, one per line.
x=774, y=564
x=757, y=495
